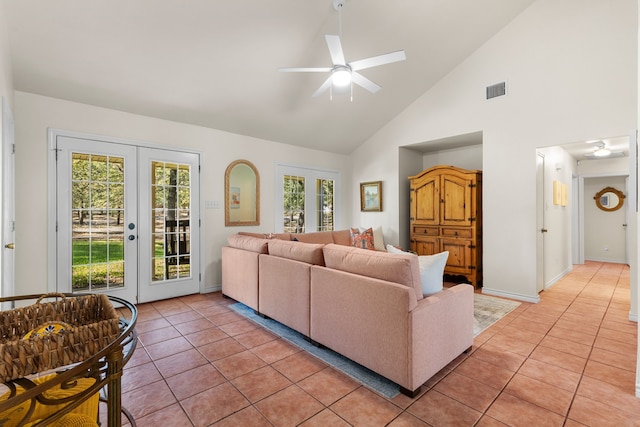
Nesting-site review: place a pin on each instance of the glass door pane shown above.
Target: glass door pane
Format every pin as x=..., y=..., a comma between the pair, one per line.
x=170, y=213
x=324, y=204
x=97, y=237
x=294, y=198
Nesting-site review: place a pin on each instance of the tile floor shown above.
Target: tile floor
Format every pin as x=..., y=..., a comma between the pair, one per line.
x=569, y=360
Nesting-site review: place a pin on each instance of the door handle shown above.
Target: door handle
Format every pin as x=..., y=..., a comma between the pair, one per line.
x=10, y=246
x=544, y=230
x=132, y=237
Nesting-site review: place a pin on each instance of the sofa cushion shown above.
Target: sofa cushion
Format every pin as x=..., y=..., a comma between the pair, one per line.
x=249, y=243
x=316, y=237
x=379, y=265
x=311, y=253
x=362, y=239
x=281, y=236
x=342, y=237
x=431, y=269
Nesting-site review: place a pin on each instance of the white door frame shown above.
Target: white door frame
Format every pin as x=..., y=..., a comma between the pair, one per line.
x=540, y=221
x=52, y=135
x=8, y=201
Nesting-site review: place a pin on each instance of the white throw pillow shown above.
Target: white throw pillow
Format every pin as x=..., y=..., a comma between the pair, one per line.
x=431, y=272
x=393, y=250
x=378, y=237
x=431, y=269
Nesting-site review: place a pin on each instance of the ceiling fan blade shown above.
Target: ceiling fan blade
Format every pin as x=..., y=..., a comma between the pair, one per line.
x=361, y=80
x=323, y=88
x=335, y=49
x=375, y=61
x=304, y=70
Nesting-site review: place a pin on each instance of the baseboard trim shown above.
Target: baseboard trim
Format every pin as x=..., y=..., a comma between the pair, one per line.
x=210, y=289
x=510, y=295
x=554, y=280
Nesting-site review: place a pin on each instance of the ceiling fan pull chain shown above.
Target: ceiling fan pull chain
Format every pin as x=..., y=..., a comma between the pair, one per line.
x=340, y=20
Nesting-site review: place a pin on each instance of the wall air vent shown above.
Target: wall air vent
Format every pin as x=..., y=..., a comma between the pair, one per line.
x=498, y=89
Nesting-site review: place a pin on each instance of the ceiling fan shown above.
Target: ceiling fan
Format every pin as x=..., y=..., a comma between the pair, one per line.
x=600, y=150
x=344, y=73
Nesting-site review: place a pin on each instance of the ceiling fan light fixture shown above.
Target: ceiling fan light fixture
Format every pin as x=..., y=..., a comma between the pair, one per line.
x=601, y=152
x=341, y=76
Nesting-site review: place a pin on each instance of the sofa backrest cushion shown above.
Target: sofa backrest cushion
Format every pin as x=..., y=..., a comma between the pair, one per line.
x=379, y=265
x=248, y=243
x=342, y=237
x=311, y=253
x=316, y=237
x=247, y=233
x=281, y=236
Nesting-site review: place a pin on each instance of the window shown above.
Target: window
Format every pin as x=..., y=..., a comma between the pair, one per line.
x=306, y=199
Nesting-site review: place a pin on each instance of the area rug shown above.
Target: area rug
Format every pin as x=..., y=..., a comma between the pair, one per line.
x=487, y=311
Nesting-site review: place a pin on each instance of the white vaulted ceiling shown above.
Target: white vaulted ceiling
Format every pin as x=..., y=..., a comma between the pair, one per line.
x=215, y=63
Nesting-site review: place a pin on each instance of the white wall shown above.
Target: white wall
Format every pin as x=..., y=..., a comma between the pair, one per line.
x=463, y=157
x=6, y=78
x=34, y=114
x=571, y=70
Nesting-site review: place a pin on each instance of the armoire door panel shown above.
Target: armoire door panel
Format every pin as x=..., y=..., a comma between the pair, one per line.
x=455, y=194
x=459, y=255
x=426, y=246
x=428, y=210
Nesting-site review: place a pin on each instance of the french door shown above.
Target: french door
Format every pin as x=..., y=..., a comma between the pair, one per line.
x=127, y=220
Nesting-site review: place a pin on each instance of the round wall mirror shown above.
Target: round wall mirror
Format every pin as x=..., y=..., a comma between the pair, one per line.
x=241, y=194
x=609, y=199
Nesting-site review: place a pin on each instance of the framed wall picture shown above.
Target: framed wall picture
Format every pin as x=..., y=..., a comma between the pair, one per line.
x=371, y=196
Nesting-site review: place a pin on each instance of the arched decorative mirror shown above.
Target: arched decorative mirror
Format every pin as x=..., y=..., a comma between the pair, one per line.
x=609, y=199
x=241, y=194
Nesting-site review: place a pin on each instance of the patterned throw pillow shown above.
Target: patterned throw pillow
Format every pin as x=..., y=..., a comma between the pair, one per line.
x=362, y=240
x=49, y=328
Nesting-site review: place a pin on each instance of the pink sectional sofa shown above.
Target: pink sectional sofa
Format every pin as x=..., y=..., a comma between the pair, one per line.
x=366, y=305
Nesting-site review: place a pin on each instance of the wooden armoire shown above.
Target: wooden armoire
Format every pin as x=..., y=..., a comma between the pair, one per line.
x=446, y=215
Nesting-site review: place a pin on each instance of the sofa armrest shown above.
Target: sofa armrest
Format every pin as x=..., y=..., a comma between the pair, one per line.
x=441, y=329
x=363, y=318
x=240, y=275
